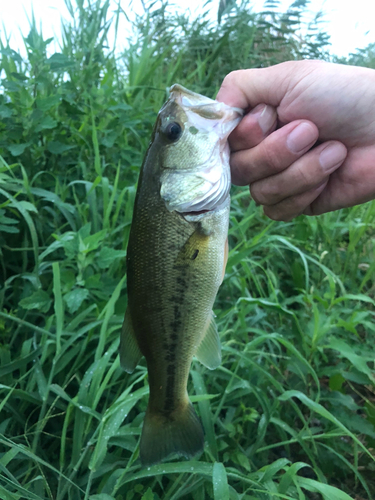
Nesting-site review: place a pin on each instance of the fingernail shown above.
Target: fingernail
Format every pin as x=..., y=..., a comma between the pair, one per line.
x=332, y=156
x=266, y=117
x=301, y=137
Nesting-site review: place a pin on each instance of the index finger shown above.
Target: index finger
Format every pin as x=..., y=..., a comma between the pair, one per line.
x=253, y=128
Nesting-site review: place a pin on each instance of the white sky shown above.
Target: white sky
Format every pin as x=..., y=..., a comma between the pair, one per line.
x=350, y=24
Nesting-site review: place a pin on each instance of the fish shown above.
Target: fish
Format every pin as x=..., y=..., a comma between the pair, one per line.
x=176, y=259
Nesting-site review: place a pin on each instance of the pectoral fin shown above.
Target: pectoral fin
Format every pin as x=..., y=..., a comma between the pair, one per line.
x=209, y=350
x=193, y=249
x=130, y=353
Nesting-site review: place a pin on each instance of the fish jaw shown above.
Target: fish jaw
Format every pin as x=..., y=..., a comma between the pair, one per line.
x=197, y=182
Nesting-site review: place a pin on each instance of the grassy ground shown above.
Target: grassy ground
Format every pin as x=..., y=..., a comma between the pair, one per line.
x=291, y=411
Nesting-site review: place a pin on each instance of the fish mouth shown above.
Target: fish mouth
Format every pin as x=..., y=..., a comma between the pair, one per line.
x=203, y=106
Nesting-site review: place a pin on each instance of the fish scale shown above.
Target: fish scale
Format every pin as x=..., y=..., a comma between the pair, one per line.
x=175, y=262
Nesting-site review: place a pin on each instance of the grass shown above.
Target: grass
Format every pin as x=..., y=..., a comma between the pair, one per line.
x=290, y=413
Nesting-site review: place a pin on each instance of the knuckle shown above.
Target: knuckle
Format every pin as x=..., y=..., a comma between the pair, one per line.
x=254, y=194
x=265, y=193
x=277, y=214
x=272, y=158
x=232, y=78
x=309, y=175
x=302, y=174
x=239, y=165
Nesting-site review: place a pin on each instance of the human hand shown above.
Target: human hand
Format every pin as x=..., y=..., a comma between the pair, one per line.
x=307, y=101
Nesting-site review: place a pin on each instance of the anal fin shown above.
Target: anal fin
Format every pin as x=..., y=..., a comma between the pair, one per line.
x=130, y=353
x=209, y=350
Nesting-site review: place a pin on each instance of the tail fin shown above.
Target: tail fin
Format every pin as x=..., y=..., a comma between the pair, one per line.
x=179, y=432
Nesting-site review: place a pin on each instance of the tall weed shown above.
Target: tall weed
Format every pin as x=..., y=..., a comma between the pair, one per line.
x=291, y=411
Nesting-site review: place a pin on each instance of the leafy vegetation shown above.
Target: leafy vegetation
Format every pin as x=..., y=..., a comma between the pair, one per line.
x=291, y=412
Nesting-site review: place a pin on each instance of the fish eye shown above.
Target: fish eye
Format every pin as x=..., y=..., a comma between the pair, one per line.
x=173, y=131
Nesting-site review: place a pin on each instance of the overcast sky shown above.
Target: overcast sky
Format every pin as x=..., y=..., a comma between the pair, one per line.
x=349, y=27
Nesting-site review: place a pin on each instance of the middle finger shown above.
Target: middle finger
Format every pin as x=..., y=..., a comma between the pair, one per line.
x=273, y=154
x=304, y=174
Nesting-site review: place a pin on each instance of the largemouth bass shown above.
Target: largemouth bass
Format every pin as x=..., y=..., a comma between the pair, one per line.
x=175, y=264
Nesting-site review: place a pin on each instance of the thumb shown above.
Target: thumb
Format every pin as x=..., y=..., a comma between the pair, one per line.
x=247, y=88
